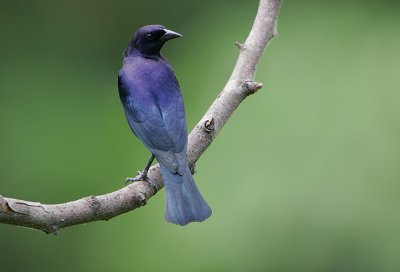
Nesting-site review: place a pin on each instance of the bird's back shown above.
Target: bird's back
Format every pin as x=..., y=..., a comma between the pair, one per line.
x=154, y=108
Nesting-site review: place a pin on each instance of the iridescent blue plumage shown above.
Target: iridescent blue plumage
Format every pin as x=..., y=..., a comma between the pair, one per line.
x=153, y=105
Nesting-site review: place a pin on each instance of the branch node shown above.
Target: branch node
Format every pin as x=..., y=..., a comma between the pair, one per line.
x=4, y=207
x=54, y=229
x=252, y=87
x=209, y=125
x=2, y=200
x=192, y=168
x=142, y=198
x=239, y=45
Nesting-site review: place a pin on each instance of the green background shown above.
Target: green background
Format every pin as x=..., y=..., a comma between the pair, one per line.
x=304, y=177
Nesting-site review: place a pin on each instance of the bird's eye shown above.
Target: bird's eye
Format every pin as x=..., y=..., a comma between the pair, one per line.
x=149, y=36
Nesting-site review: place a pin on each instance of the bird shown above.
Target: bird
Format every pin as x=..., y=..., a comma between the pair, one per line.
x=152, y=101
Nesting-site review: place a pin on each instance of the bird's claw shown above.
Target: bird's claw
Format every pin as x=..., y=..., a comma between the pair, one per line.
x=142, y=176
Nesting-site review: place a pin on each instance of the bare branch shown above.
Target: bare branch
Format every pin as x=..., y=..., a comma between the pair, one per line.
x=52, y=218
x=240, y=84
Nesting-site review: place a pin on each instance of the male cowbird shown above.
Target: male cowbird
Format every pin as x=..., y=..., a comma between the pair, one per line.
x=153, y=104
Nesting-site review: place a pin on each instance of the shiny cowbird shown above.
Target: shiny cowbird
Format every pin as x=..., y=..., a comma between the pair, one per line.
x=152, y=100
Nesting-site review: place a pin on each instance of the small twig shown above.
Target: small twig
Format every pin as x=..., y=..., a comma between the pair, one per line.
x=252, y=87
x=239, y=45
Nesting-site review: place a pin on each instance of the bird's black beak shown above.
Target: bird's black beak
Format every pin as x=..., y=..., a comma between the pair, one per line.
x=169, y=34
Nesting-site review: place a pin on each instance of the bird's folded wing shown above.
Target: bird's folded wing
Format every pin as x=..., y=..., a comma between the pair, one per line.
x=161, y=127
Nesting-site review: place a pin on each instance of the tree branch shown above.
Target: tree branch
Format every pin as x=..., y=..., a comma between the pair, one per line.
x=52, y=218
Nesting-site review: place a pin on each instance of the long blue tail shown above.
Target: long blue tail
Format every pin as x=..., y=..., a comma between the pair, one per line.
x=184, y=201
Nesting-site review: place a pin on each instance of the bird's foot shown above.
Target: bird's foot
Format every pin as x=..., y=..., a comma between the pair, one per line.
x=142, y=176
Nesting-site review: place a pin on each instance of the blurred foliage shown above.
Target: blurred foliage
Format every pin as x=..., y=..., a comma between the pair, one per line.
x=304, y=177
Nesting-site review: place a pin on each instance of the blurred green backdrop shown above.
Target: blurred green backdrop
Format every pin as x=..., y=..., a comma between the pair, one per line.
x=304, y=177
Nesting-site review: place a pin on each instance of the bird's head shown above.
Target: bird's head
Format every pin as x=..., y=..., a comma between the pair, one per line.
x=149, y=39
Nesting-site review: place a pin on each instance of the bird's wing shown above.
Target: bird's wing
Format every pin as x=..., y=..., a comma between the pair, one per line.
x=161, y=127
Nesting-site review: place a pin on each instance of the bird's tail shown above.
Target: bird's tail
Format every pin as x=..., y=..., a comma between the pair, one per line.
x=184, y=201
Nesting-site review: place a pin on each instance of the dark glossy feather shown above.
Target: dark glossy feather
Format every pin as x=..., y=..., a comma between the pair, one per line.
x=153, y=104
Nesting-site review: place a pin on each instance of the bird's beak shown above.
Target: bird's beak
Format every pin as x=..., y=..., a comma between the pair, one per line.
x=169, y=34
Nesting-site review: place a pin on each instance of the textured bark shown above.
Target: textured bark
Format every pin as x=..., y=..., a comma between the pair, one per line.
x=51, y=218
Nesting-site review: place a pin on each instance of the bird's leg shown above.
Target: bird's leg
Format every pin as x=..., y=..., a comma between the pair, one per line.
x=143, y=175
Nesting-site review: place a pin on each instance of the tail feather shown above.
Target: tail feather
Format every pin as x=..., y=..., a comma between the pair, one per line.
x=184, y=201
